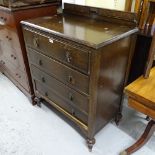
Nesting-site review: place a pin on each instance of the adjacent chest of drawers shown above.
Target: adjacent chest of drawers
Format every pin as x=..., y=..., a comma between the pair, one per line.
x=13, y=58
x=80, y=64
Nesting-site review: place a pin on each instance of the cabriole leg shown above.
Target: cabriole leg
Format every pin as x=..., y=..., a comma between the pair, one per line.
x=143, y=139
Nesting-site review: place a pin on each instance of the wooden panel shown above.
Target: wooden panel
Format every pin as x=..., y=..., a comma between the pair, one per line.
x=141, y=108
x=69, y=95
x=49, y=93
x=53, y=48
x=68, y=76
x=140, y=57
x=111, y=79
x=115, y=16
x=10, y=48
x=18, y=75
x=22, y=3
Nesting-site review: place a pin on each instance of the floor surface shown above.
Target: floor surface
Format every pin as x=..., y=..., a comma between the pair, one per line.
x=30, y=130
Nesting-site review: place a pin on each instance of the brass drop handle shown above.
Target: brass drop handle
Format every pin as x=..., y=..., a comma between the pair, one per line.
x=71, y=79
x=36, y=41
x=40, y=62
x=68, y=57
x=71, y=97
x=43, y=79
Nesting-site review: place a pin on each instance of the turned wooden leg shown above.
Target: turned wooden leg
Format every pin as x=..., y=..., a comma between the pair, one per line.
x=90, y=143
x=37, y=101
x=143, y=139
x=118, y=118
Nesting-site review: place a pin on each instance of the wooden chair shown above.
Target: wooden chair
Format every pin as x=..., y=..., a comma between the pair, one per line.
x=138, y=9
x=145, y=10
x=151, y=58
x=141, y=97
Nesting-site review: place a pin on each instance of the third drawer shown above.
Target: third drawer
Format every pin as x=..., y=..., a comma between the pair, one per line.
x=70, y=96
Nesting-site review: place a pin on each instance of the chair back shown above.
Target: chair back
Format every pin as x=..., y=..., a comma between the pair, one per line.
x=151, y=58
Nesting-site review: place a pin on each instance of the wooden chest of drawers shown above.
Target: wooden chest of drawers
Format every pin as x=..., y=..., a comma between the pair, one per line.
x=13, y=58
x=80, y=64
x=23, y=3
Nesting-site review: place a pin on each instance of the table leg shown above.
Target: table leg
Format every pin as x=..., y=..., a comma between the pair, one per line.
x=143, y=139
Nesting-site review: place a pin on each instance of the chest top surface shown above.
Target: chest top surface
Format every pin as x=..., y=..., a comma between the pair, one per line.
x=88, y=31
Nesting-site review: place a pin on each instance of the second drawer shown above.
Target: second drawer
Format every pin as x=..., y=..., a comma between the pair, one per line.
x=61, y=72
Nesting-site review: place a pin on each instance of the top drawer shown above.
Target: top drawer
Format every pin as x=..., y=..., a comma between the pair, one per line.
x=68, y=55
x=6, y=19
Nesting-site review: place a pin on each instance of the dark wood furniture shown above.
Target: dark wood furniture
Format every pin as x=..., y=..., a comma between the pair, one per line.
x=140, y=56
x=13, y=58
x=139, y=7
x=151, y=58
x=144, y=40
x=79, y=62
x=141, y=98
x=23, y=3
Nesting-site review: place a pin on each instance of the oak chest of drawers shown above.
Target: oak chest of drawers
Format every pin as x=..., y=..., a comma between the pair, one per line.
x=79, y=63
x=13, y=58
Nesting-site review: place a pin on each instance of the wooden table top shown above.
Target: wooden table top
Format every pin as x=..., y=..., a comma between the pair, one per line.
x=143, y=90
x=90, y=32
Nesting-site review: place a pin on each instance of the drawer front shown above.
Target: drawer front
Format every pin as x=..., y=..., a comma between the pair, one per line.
x=58, y=100
x=64, y=53
x=69, y=95
x=18, y=75
x=66, y=75
x=10, y=48
x=6, y=19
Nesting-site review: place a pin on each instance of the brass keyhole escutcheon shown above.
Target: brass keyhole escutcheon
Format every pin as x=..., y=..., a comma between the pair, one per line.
x=40, y=62
x=43, y=79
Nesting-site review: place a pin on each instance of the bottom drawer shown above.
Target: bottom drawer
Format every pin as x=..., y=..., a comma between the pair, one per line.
x=16, y=74
x=48, y=93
